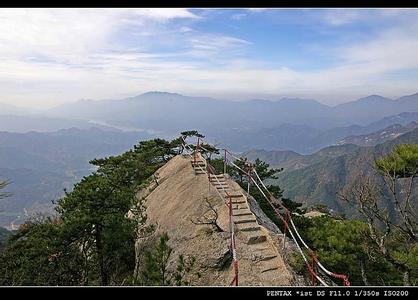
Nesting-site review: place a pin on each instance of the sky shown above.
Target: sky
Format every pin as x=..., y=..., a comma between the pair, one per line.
x=52, y=56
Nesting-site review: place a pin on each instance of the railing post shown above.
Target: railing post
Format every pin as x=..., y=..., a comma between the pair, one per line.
x=312, y=267
x=231, y=224
x=195, y=151
x=284, y=235
x=249, y=179
x=236, y=273
x=225, y=161
x=286, y=220
x=230, y=209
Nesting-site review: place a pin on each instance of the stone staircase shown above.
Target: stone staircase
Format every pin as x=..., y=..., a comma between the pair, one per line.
x=245, y=221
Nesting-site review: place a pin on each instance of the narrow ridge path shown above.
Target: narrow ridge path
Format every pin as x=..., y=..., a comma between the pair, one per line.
x=263, y=252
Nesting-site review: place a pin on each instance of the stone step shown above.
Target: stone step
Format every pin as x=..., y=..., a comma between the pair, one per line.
x=219, y=183
x=241, y=212
x=263, y=255
x=238, y=201
x=219, y=176
x=236, y=195
x=223, y=194
x=198, y=172
x=261, y=247
x=255, y=237
x=198, y=160
x=248, y=227
x=224, y=189
x=239, y=206
x=269, y=265
x=199, y=167
x=244, y=219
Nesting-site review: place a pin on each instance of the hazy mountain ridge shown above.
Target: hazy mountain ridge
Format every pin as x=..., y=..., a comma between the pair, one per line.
x=179, y=110
x=32, y=191
x=304, y=139
x=317, y=178
x=380, y=136
x=41, y=165
x=35, y=122
x=301, y=125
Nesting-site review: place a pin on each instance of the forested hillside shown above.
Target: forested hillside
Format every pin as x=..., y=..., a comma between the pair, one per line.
x=316, y=178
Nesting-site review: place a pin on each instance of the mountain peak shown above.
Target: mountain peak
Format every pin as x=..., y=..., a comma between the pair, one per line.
x=158, y=93
x=374, y=98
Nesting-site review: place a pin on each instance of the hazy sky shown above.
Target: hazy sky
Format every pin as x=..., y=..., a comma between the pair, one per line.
x=52, y=56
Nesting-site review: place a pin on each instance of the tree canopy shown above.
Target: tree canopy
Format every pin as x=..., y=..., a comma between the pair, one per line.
x=401, y=162
x=92, y=238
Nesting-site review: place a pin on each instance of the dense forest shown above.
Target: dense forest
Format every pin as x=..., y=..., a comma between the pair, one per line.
x=90, y=239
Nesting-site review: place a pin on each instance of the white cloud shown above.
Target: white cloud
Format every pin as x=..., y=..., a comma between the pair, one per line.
x=64, y=31
x=184, y=29
x=342, y=16
x=51, y=56
x=164, y=14
x=216, y=42
x=238, y=16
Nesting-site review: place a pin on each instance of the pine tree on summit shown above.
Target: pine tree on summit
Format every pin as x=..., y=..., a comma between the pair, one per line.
x=190, y=133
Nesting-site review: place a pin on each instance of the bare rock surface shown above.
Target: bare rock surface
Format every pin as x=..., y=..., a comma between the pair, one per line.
x=177, y=201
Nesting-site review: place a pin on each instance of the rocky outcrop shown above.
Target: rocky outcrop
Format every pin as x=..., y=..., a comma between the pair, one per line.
x=182, y=199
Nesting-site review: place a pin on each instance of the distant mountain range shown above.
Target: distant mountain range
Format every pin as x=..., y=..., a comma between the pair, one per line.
x=43, y=153
x=146, y=110
x=300, y=125
x=26, y=123
x=380, y=136
x=316, y=178
x=303, y=139
x=287, y=124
